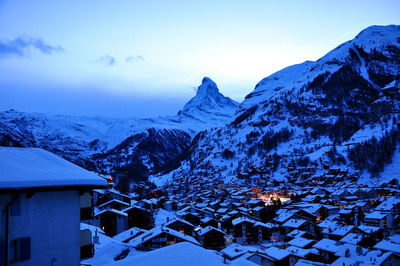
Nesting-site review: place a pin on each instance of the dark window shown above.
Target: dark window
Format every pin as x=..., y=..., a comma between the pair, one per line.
x=15, y=205
x=20, y=249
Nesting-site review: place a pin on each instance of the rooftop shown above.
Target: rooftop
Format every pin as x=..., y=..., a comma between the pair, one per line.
x=22, y=168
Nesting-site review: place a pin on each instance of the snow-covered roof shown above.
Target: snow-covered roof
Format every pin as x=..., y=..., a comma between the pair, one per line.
x=352, y=249
x=301, y=252
x=111, y=210
x=240, y=220
x=235, y=250
x=375, y=215
x=127, y=234
x=368, y=228
x=266, y=225
x=352, y=238
x=33, y=167
x=114, y=200
x=208, y=229
x=375, y=257
x=327, y=245
x=388, y=246
x=152, y=233
x=277, y=253
x=294, y=223
x=176, y=219
x=92, y=228
x=300, y=242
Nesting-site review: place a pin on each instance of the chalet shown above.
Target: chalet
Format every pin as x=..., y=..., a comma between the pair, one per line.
x=269, y=232
x=39, y=198
x=148, y=204
x=180, y=225
x=277, y=256
x=301, y=242
x=129, y=234
x=192, y=217
x=243, y=230
x=139, y=217
x=327, y=249
x=389, y=247
x=212, y=238
x=303, y=225
x=160, y=237
x=391, y=89
x=379, y=219
x=234, y=251
x=114, y=204
x=110, y=194
x=208, y=221
x=171, y=205
x=372, y=231
x=378, y=257
x=111, y=221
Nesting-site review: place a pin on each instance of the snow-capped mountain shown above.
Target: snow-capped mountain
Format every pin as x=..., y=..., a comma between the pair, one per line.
x=210, y=104
x=105, y=144
x=341, y=110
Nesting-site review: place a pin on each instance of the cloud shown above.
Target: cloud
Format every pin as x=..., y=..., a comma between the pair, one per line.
x=132, y=59
x=107, y=60
x=20, y=46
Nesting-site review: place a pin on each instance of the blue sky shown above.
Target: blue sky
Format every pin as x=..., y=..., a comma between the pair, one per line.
x=146, y=58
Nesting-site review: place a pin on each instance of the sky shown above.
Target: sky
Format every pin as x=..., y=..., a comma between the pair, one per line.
x=128, y=58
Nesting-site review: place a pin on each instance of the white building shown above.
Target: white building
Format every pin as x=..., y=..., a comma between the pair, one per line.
x=40, y=207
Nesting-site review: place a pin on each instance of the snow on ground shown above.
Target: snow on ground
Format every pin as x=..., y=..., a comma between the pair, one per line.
x=107, y=249
x=181, y=254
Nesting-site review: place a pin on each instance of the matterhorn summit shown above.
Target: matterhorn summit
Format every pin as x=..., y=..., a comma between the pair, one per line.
x=209, y=103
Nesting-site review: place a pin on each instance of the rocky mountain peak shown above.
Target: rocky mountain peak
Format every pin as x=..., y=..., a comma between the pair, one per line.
x=209, y=101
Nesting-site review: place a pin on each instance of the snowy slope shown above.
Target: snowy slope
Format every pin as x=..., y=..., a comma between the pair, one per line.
x=104, y=144
x=312, y=114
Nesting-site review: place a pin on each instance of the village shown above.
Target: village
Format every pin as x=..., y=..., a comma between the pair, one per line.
x=325, y=220
x=55, y=211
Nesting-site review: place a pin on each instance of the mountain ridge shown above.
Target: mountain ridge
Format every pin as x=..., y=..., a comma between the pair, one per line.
x=313, y=113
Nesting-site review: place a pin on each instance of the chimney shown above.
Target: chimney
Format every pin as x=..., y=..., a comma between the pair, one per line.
x=359, y=250
x=347, y=253
x=96, y=238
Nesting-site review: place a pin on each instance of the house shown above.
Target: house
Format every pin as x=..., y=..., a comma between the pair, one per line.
x=86, y=236
x=379, y=219
x=40, y=204
x=180, y=225
x=208, y=221
x=160, y=237
x=114, y=204
x=111, y=221
x=243, y=230
x=303, y=225
x=139, y=217
x=328, y=249
x=212, y=238
x=301, y=242
x=171, y=205
x=110, y=194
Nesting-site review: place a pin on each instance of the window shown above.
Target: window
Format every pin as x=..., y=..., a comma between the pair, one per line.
x=20, y=249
